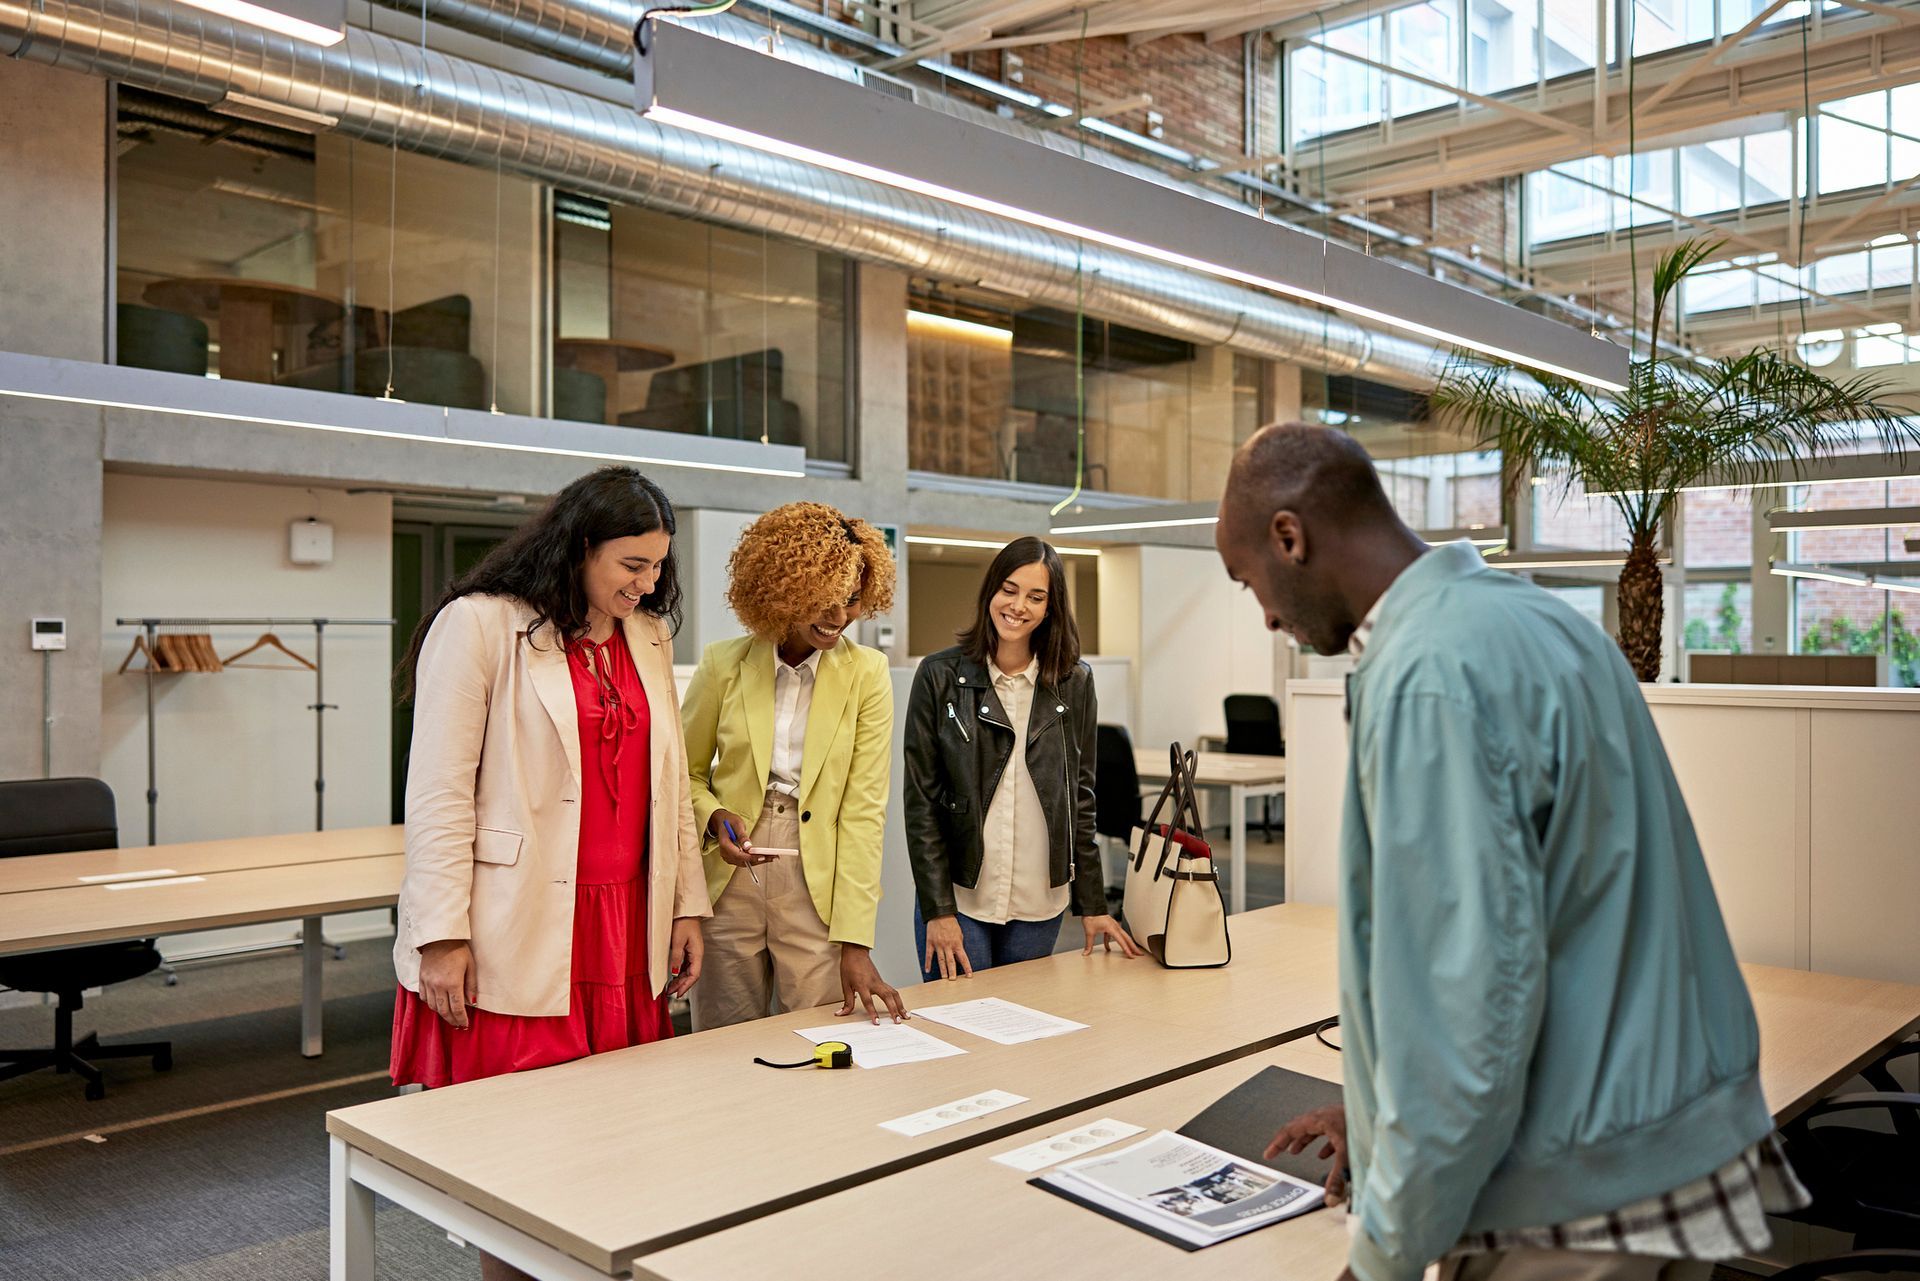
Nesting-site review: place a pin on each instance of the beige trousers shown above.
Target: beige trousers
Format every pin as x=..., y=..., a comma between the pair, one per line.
x=766, y=940
x=1570, y=1265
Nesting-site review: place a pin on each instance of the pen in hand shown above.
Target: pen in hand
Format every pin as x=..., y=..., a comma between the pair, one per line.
x=735, y=838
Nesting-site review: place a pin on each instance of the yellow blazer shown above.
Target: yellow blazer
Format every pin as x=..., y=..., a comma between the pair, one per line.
x=493, y=805
x=846, y=767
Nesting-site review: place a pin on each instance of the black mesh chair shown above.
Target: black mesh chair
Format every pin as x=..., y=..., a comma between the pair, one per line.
x=1116, y=790
x=60, y=816
x=1864, y=1180
x=1253, y=729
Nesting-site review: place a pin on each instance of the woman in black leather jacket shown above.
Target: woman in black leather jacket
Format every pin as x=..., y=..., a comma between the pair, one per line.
x=999, y=778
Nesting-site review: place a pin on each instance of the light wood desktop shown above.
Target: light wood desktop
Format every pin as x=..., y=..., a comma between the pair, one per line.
x=71, y=916
x=1244, y=777
x=196, y=858
x=889, y=1228
x=1816, y=1030
x=592, y=1162
x=710, y=1150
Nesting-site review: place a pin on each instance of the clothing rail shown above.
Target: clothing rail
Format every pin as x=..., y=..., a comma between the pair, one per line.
x=318, y=707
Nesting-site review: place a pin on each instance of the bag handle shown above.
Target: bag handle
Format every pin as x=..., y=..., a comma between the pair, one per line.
x=1146, y=832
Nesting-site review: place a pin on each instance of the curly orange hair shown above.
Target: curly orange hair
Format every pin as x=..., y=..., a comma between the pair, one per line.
x=798, y=561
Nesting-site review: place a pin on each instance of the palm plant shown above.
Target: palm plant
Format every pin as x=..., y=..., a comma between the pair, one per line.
x=1738, y=420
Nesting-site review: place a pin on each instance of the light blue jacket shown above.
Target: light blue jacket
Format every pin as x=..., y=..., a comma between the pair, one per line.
x=1541, y=1012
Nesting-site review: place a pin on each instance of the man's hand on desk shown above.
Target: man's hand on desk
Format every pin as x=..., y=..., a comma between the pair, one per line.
x=1328, y=1124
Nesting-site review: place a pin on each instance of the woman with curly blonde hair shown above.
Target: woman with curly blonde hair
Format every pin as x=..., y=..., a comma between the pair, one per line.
x=789, y=741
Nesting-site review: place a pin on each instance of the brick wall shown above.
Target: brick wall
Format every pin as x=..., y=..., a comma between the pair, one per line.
x=1197, y=88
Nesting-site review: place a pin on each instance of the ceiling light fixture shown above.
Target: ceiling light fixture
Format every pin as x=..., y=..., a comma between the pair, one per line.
x=1158, y=516
x=1846, y=577
x=928, y=540
x=710, y=86
x=954, y=327
x=1782, y=522
x=1563, y=560
x=321, y=22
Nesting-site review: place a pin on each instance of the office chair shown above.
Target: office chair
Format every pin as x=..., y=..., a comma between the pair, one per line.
x=1253, y=729
x=1116, y=791
x=59, y=816
x=1899, y=1262
x=1865, y=1182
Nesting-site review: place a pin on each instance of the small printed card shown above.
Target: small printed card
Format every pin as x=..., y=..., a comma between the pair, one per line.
x=1038, y=1156
x=939, y=1118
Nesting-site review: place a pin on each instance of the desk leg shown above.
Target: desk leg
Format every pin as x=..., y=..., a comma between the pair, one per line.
x=350, y=1219
x=1237, y=825
x=313, y=950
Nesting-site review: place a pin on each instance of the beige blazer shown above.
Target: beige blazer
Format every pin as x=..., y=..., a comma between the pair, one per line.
x=493, y=805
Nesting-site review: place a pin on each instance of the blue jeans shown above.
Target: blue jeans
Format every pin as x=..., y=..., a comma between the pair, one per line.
x=991, y=945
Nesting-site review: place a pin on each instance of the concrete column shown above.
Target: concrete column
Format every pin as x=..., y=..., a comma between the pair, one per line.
x=55, y=304
x=881, y=448
x=1772, y=595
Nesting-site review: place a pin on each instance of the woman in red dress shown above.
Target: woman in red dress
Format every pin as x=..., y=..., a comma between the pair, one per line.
x=553, y=892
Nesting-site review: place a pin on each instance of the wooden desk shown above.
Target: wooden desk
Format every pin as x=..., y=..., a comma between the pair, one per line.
x=1244, y=777
x=887, y=1229
x=573, y=1170
x=196, y=858
x=43, y=920
x=247, y=312
x=1815, y=1031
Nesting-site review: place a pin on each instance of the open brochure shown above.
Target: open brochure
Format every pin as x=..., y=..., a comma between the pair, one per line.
x=1183, y=1191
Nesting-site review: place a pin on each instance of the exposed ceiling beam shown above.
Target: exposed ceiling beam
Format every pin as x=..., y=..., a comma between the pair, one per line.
x=1709, y=59
x=1102, y=111
x=1480, y=99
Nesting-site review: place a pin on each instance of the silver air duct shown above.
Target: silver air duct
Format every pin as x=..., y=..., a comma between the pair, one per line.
x=387, y=91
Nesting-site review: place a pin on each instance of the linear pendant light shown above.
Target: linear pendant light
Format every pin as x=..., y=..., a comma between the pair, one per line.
x=321, y=22
x=1782, y=522
x=694, y=81
x=1846, y=577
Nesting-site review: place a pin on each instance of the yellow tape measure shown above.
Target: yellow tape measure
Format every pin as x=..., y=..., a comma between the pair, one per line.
x=827, y=1054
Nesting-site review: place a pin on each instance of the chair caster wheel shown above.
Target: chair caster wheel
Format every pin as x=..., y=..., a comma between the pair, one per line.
x=96, y=1091
x=173, y=980
x=163, y=1062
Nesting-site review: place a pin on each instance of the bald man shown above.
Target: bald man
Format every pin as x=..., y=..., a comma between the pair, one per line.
x=1550, y=1057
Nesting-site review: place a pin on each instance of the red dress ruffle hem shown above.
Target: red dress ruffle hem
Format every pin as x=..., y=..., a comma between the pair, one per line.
x=612, y=1004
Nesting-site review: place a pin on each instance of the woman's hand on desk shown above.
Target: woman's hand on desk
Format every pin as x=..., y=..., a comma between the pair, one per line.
x=447, y=981
x=946, y=945
x=685, y=948
x=861, y=984
x=725, y=827
x=1329, y=1124
x=1108, y=932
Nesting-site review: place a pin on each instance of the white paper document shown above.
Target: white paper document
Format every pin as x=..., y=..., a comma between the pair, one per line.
x=939, y=1118
x=999, y=1021
x=148, y=885
x=885, y=1045
x=1088, y=1138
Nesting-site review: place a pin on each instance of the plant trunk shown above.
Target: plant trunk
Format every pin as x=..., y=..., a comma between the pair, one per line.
x=1642, y=609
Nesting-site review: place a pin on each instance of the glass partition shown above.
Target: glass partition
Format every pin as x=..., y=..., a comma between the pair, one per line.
x=251, y=252
x=999, y=393
x=677, y=325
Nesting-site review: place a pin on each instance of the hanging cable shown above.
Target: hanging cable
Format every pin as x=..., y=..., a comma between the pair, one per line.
x=1079, y=296
x=685, y=11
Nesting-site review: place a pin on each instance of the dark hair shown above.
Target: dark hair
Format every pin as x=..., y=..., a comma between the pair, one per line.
x=1056, y=641
x=539, y=563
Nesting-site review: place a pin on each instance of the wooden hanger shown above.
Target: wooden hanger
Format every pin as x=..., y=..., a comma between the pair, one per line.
x=139, y=647
x=202, y=645
x=269, y=641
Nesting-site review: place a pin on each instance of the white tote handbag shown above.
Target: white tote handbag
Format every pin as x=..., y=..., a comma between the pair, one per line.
x=1173, y=906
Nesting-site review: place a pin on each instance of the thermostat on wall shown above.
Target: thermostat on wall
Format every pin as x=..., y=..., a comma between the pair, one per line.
x=49, y=633
x=310, y=542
